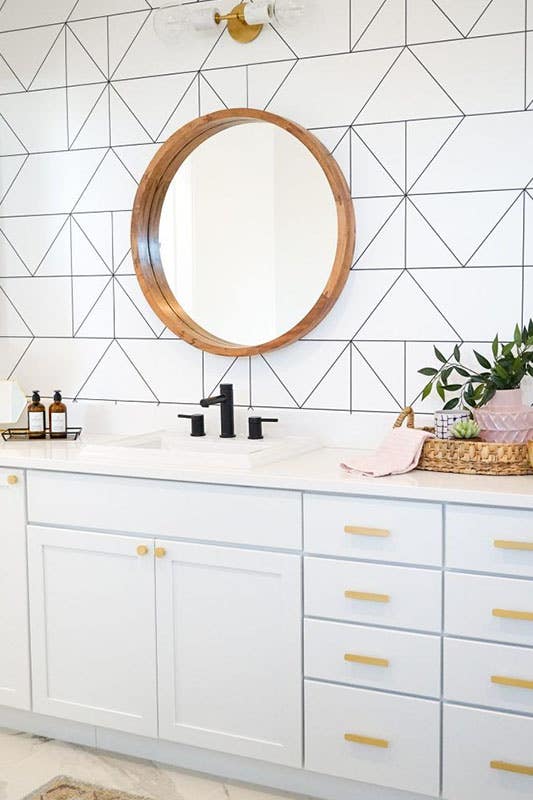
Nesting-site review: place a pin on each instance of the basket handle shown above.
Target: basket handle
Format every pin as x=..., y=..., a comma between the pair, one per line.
x=407, y=414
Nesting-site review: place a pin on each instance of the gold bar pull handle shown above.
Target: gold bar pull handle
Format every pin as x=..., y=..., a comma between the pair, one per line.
x=502, y=680
x=362, y=531
x=353, y=658
x=503, y=544
x=368, y=740
x=505, y=613
x=370, y=597
x=506, y=766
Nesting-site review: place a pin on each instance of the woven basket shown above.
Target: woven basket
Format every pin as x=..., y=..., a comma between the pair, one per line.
x=469, y=457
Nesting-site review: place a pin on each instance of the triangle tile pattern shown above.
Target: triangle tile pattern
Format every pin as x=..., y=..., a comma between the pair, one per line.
x=413, y=98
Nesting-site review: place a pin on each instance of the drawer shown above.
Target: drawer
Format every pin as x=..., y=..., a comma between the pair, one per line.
x=490, y=540
x=496, y=675
x=487, y=755
x=165, y=508
x=481, y=607
x=374, y=737
x=382, y=659
x=379, y=530
x=398, y=597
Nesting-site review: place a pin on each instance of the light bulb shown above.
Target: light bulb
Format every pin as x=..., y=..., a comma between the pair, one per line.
x=287, y=12
x=174, y=20
x=258, y=12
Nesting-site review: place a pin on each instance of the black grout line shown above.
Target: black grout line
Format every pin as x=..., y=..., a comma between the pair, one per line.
x=202, y=73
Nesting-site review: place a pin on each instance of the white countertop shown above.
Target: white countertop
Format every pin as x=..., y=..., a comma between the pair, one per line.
x=317, y=471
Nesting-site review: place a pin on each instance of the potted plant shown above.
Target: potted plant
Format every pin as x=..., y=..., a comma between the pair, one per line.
x=492, y=392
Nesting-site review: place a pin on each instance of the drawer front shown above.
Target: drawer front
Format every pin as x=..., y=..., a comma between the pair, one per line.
x=165, y=508
x=382, y=659
x=490, y=540
x=487, y=755
x=498, y=609
x=495, y=675
x=374, y=737
x=397, y=597
x=380, y=530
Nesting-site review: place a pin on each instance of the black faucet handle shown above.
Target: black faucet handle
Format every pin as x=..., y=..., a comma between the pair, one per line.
x=255, y=426
x=197, y=423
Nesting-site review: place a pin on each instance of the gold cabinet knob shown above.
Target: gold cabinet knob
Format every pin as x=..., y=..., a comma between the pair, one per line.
x=160, y=552
x=12, y=480
x=142, y=550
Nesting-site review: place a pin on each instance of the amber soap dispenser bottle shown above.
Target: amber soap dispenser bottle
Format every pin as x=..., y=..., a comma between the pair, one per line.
x=58, y=417
x=36, y=417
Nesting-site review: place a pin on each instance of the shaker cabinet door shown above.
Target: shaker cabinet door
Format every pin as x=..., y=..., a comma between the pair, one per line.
x=229, y=650
x=14, y=641
x=92, y=615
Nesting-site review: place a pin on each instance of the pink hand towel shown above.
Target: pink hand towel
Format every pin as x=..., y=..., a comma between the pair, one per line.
x=399, y=452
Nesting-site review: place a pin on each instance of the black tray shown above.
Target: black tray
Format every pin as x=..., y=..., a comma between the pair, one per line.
x=22, y=435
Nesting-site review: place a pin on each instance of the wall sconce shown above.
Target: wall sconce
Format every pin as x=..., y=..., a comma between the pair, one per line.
x=244, y=22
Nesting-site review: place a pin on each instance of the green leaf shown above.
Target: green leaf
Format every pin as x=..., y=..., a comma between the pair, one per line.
x=439, y=355
x=451, y=404
x=427, y=390
x=495, y=346
x=440, y=391
x=453, y=387
x=517, y=336
x=457, y=353
x=462, y=372
x=482, y=360
x=508, y=348
x=428, y=371
x=500, y=372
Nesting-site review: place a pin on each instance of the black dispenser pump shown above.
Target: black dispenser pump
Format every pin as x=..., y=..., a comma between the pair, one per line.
x=197, y=423
x=255, y=426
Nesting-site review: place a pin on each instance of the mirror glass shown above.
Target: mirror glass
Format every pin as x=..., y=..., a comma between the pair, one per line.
x=248, y=233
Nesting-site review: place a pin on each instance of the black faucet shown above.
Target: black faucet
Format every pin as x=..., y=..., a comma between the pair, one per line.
x=227, y=416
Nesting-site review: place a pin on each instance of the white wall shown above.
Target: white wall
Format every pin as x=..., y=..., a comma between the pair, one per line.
x=428, y=114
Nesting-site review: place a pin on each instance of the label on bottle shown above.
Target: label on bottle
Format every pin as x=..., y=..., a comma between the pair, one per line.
x=36, y=421
x=58, y=422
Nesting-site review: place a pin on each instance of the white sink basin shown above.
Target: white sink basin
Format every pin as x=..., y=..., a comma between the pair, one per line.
x=170, y=448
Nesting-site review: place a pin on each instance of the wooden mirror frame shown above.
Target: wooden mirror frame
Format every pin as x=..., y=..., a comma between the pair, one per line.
x=147, y=214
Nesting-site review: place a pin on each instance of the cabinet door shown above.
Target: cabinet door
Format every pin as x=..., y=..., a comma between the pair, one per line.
x=92, y=618
x=229, y=650
x=14, y=641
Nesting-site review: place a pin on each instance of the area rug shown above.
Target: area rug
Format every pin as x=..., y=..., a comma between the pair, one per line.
x=63, y=788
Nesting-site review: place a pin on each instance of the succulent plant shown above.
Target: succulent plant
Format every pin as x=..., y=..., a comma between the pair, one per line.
x=466, y=429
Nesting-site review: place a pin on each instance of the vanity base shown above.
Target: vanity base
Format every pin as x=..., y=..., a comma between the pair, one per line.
x=223, y=765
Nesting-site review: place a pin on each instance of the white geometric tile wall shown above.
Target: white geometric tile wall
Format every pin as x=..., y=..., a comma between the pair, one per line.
x=426, y=104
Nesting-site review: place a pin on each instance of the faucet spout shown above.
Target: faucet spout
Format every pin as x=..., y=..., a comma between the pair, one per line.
x=212, y=401
x=227, y=411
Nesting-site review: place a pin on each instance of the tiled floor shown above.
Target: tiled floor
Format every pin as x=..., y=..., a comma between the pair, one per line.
x=28, y=762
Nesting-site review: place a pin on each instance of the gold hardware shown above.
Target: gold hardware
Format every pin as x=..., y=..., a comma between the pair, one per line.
x=369, y=596
x=238, y=28
x=366, y=531
x=160, y=552
x=352, y=658
x=354, y=737
x=12, y=480
x=507, y=767
x=505, y=614
x=501, y=680
x=142, y=550
x=502, y=544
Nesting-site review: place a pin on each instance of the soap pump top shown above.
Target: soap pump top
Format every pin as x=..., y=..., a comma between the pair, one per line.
x=36, y=397
x=57, y=396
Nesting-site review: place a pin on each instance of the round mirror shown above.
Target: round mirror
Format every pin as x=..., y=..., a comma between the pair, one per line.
x=243, y=232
